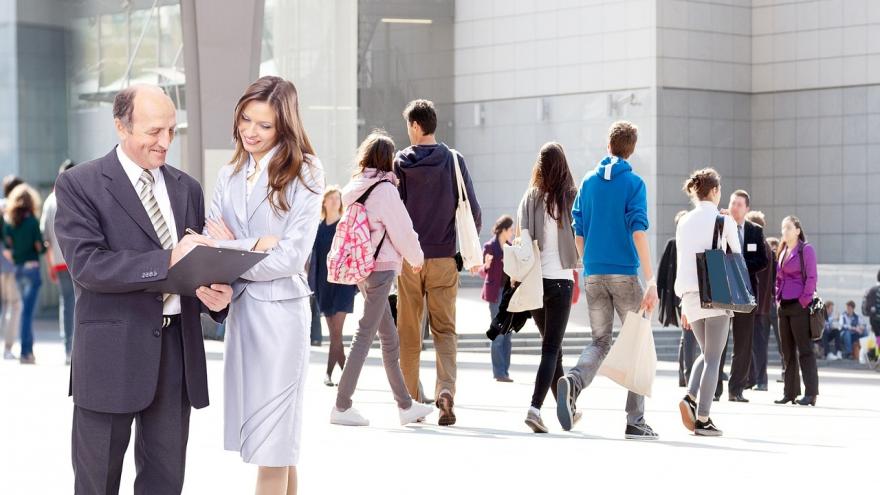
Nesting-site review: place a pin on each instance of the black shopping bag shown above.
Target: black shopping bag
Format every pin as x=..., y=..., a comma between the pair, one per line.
x=724, y=277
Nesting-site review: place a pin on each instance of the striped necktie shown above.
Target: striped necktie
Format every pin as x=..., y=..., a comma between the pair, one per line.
x=146, y=182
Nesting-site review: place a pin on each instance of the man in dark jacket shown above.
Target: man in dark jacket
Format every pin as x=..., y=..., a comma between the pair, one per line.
x=871, y=306
x=138, y=356
x=754, y=249
x=766, y=299
x=429, y=190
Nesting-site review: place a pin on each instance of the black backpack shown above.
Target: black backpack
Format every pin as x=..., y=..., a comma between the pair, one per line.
x=870, y=306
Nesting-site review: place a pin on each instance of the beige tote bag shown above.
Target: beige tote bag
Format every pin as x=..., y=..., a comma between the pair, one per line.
x=632, y=361
x=466, y=229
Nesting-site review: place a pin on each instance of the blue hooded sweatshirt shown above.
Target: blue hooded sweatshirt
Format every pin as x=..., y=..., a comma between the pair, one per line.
x=610, y=206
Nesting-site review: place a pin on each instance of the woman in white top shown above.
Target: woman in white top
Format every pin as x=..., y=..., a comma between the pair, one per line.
x=268, y=199
x=710, y=326
x=545, y=211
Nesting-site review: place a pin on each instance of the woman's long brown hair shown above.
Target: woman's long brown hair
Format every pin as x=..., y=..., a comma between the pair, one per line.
x=291, y=138
x=552, y=178
x=802, y=237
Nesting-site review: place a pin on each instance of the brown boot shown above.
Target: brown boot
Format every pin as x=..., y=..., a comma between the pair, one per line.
x=447, y=415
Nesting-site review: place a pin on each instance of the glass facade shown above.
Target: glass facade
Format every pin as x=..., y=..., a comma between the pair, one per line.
x=356, y=63
x=112, y=49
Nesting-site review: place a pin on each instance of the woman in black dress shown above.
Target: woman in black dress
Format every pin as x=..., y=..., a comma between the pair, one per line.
x=335, y=301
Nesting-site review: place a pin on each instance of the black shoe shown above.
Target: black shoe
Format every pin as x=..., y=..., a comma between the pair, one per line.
x=737, y=398
x=565, y=402
x=807, y=400
x=716, y=398
x=688, y=409
x=780, y=380
x=761, y=388
x=785, y=400
x=640, y=432
x=707, y=429
x=724, y=377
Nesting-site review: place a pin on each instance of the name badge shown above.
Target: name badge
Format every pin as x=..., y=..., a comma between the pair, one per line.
x=752, y=248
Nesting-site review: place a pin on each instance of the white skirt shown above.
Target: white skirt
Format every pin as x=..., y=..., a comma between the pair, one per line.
x=694, y=311
x=266, y=361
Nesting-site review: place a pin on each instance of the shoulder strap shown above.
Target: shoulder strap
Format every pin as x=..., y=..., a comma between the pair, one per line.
x=460, y=189
x=361, y=200
x=363, y=197
x=718, y=231
x=801, y=259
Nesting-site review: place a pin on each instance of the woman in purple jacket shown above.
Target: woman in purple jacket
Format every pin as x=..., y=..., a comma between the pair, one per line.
x=796, y=279
x=493, y=286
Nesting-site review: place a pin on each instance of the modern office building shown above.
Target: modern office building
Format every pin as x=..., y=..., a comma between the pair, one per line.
x=781, y=96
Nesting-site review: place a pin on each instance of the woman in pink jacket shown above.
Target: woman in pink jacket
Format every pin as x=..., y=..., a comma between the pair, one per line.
x=392, y=234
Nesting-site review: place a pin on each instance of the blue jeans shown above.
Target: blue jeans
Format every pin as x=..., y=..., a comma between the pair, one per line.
x=28, y=281
x=66, y=303
x=501, y=346
x=849, y=338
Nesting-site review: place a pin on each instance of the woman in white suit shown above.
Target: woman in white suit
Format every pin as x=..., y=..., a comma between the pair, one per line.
x=268, y=199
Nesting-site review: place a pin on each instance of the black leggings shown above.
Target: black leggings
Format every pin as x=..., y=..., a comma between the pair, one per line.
x=551, y=321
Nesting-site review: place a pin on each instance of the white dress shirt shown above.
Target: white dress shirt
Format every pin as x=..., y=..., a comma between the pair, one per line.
x=251, y=165
x=133, y=171
x=694, y=235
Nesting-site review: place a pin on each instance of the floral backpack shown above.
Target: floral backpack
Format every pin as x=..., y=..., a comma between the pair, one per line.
x=352, y=258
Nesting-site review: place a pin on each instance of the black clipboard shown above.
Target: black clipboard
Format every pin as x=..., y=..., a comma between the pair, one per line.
x=204, y=266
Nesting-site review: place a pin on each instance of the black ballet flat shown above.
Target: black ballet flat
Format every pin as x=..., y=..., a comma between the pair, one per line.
x=807, y=400
x=785, y=400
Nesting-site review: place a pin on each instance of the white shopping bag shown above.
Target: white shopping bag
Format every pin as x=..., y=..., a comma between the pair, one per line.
x=632, y=361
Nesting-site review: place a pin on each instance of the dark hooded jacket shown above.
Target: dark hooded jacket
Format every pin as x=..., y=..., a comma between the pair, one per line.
x=428, y=189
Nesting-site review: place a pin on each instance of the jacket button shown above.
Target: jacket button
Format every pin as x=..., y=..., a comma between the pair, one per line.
x=157, y=333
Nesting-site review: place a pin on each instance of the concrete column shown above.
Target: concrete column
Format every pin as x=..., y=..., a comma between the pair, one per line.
x=222, y=41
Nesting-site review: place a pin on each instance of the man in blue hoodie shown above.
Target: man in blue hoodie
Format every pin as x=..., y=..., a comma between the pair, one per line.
x=610, y=223
x=428, y=189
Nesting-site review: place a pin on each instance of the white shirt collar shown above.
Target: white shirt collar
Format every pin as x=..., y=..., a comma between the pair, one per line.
x=263, y=163
x=707, y=204
x=133, y=170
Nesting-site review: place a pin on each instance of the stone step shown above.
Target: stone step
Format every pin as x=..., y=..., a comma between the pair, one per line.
x=665, y=341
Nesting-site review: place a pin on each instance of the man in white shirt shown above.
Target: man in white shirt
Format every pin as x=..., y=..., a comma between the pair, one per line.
x=138, y=356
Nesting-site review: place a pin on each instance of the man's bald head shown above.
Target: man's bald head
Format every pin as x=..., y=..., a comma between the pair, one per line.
x=124, y=103
x=145, y=122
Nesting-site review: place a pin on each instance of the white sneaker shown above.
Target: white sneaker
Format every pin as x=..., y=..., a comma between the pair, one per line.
x=839, y=355
x=417, y=411
x=831, y=357
x=9, y=355
x=349, y=417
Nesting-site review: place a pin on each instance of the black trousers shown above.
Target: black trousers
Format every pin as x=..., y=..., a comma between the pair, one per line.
x=760, y=346
x=162, y=429
x=743, y=330
x=797, y=350
x=551, y=320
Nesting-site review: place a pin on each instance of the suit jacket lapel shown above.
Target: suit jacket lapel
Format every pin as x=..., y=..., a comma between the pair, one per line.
x=259, y=194
x=179, y=197
x=238, y=193
x=121, y=189
x=792, y=256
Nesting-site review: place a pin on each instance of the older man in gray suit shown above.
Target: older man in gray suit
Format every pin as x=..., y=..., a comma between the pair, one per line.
x=138, y=356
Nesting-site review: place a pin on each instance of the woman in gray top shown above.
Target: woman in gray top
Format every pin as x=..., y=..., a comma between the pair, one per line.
x=545, y=211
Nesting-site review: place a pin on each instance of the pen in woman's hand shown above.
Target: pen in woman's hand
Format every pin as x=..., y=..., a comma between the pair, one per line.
x=191, y=231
